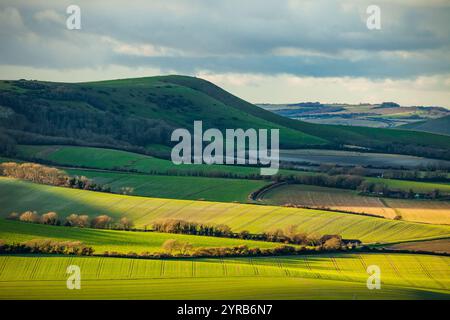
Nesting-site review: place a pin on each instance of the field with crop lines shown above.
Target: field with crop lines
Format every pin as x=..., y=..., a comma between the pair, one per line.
x=300, y=277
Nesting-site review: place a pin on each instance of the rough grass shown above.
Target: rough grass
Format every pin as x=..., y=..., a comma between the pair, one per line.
x=19, y=196
x=300, y=277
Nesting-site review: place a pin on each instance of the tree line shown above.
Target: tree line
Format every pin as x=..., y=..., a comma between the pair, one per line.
x=102, y=221
x=173, y=248
x=289, y=235
x=46, y=246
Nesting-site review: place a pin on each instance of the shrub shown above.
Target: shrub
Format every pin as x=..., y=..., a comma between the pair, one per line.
x=125, y=224
x=29, y=216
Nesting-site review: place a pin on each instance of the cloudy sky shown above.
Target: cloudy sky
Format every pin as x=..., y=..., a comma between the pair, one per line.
x=263, y=51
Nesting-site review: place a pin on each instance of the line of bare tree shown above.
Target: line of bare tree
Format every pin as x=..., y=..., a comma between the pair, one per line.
x=46, y=246
x=102, y=221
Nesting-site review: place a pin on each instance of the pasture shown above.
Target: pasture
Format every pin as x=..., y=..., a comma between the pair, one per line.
x=334, y=276
x=19, y=196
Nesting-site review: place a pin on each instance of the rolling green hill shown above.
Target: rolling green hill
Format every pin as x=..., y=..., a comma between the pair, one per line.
x=439, y=126
x=139, y=114
x=301, y=277
x=19, y=196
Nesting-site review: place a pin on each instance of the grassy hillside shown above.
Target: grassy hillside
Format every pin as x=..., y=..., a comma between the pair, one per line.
x=439, y=126
x=138, y=113
x=306, y=277
x=131, y=113
x=113, y=240
x=20, y=196
x=362, y=136
x=437, y=212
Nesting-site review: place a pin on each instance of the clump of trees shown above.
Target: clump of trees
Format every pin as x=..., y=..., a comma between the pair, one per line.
x=81, y=182
x=48, y=175
x=30, y=216
x=34, y=172
x=173, y=245
x=102, y=222
x=75, y=220
x=47, y=246
x=125, y=224
x=50, y=218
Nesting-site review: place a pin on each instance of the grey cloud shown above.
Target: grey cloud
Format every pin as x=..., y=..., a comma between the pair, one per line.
x=234, y=36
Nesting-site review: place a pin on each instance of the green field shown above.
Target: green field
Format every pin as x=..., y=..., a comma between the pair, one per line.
x=113, y=240
x=109, y=159
x=20, y=196
x=416, y=186
x=306, y=277
x=175, y=187
x=122, y=160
